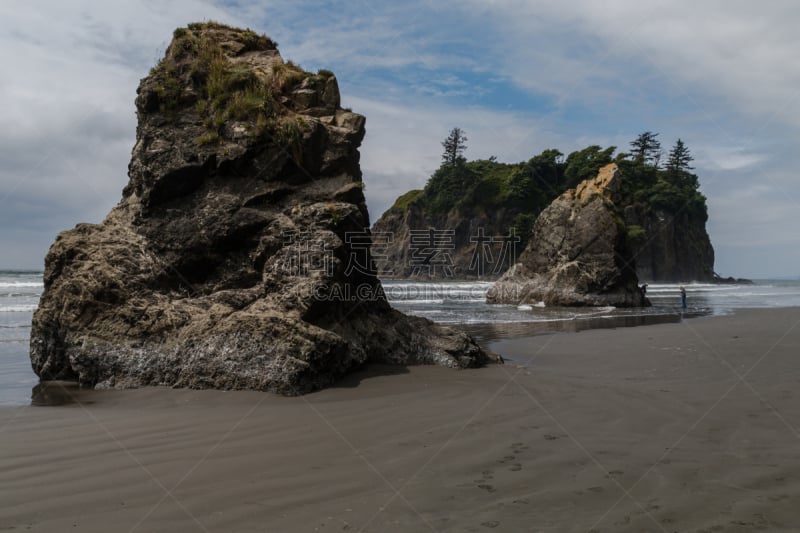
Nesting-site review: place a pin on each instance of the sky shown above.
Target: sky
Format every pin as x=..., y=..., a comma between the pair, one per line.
x=518, y=76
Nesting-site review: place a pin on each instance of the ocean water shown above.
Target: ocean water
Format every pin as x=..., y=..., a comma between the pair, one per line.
x=19, y=295
x=457, y=303
x=463, y=304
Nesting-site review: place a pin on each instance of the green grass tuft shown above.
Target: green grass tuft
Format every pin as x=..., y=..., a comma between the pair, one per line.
x=404, y=201
x=208, y=138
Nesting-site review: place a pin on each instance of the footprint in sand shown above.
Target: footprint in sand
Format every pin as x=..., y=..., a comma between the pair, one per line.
x=550, y=437
x=487, y=487
x=595, y=489
x=507, y=458
x=516, y=467
x=491, y=524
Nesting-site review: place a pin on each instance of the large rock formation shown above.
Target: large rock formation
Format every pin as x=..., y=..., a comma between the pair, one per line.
x=239, y=255
x=578, y=253
x=460, y=231
x=670, y=246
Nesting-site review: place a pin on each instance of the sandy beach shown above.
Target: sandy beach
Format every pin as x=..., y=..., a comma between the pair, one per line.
x=674, y=427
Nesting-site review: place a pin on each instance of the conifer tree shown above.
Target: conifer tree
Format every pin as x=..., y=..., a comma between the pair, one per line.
x=454, y=146
x=679, y=158
x=646, y=148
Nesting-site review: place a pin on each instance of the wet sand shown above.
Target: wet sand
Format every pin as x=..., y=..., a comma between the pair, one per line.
x=674, y=427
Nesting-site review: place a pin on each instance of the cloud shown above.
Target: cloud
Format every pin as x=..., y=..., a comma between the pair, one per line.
x=403, y=143
x=727, y=158
x=518, y=76
x=752, y=217
x=720, y=75
x=740, y=51
x=68, y=123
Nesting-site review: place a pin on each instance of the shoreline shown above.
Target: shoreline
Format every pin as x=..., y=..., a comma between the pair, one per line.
x=644, y=428
x=483, y=333
x=491, y=332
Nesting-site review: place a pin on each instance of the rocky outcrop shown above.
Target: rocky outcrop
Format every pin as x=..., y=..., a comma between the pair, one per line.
x=470, y=244
x=239, y=256
x=730, y=280
x=578, y=253
x=669, y=246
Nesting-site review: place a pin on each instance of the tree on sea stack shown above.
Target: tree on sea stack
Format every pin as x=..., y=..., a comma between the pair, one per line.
x=679, y=158
x=584, y=164
x=647, y=148
x=454, y=146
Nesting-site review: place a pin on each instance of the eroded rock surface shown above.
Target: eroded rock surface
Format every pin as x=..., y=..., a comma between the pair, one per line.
x=577, y=254
x=239, y=255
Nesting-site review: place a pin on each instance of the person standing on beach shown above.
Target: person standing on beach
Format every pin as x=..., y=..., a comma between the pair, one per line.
x=683, y=297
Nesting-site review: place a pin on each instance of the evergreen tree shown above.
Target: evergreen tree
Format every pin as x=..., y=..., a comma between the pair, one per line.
x=679, y=158
x=646, y=148
x=454, y=146
x=542, y=176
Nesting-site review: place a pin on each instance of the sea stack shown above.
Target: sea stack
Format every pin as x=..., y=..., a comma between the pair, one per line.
x=578, y=254
x=239, y=256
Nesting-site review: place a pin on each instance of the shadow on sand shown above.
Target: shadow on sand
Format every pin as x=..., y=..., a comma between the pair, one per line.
x=54, y=393
x=368, y=371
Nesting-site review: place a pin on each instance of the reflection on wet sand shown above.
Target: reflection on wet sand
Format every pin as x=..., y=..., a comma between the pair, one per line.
x=53, y=393
x=491, y=332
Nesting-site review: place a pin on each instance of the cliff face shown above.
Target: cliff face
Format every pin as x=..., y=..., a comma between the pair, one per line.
x=578, y=254
x=465, y=244
x=671, y=247
x=239, y=256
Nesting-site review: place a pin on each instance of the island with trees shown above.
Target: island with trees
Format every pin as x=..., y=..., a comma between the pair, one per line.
x=473, y=217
